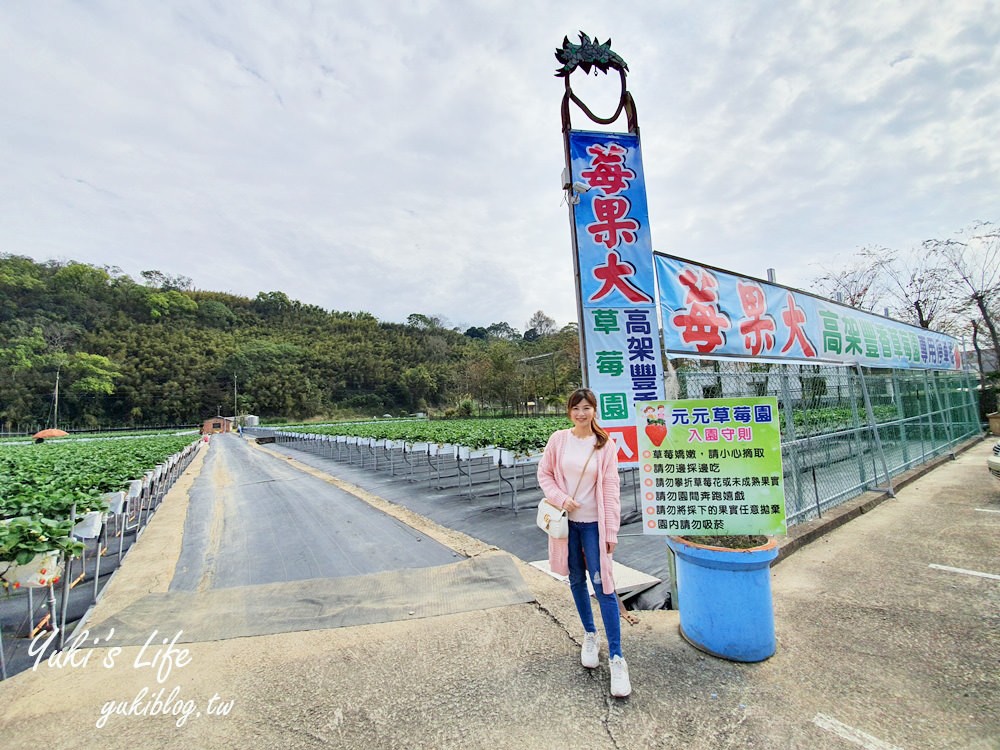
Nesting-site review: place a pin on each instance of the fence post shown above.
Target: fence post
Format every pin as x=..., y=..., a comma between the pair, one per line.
x=930, y=411
x=944, y=416
x=786, y=399
x=874, y=429
x=971, y=406
x=897, y=397
x=856, y=431
x=920, y=427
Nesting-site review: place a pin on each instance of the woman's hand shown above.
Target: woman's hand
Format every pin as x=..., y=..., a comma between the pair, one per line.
x=570, y=505
x=611, y=547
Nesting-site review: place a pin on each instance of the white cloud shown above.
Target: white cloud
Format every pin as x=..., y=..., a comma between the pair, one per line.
x=405, y=157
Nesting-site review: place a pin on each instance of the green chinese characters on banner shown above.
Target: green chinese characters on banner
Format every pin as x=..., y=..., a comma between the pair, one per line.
x=624, y=366
x=711, y=467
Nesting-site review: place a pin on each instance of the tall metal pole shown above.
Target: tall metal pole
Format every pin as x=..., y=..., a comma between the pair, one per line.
x=568, y=187
x=586, y=55
x=55, y=412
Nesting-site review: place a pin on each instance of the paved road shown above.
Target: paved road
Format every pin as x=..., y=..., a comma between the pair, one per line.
x=893, y=620
x=253, y=519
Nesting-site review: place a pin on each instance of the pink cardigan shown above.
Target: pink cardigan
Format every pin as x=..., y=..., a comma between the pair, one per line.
x=556, y=488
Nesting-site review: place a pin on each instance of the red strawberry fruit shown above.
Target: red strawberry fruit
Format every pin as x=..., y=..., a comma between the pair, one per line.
x=657, y=433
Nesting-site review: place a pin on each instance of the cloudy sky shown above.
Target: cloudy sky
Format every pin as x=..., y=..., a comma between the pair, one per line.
x=405, y=156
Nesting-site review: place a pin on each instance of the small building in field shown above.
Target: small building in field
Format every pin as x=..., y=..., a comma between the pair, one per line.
x=214, y=425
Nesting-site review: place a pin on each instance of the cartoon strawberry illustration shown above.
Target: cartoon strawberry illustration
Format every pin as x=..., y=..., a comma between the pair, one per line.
x=656, y=433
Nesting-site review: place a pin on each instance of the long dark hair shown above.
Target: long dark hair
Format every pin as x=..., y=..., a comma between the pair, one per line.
x=585, y=394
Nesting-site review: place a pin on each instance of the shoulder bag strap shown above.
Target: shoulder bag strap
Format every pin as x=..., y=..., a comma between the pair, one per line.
x=584, y=471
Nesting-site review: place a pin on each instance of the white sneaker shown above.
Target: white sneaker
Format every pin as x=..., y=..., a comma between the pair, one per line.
x=590, y=650
x=620, y=685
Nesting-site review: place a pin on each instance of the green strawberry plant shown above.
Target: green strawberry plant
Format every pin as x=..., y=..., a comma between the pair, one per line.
x=24, y=537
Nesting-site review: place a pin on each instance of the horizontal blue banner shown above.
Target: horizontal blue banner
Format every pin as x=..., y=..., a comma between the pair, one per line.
x=712, y=312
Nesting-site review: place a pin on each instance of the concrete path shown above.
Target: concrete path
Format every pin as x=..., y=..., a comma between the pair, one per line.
x=252, y=519
x=877, y=649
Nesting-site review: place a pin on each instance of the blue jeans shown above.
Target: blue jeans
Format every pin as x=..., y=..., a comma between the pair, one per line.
x=584, y=542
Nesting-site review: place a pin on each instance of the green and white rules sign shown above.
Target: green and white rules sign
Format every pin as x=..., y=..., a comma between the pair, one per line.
x=711, y=467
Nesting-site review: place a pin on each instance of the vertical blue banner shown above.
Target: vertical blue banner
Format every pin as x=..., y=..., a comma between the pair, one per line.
x=617, y=291
x=612, y=223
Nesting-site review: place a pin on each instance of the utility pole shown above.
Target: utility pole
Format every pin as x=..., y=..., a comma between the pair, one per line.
x=55, y=406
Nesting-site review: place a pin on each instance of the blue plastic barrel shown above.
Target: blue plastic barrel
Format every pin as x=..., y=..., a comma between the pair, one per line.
x=725, y=600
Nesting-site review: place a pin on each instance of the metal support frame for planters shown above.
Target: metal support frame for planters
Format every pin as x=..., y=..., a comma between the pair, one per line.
x=133, y=503
x=407, y=450
x=473, y=458
x=461, y=473
x=517, y=464
x=33, y=628
x=65, y=586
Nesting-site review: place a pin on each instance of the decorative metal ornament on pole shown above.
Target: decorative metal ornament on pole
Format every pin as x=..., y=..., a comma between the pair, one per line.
x=586, y=55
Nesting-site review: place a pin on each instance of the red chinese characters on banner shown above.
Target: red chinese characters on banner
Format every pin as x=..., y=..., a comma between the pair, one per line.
x=757, y=328
x=612, y=227
x=615, y=275
x=703, y=323
x=626, y=440
x=794, y=317
x=608, y=174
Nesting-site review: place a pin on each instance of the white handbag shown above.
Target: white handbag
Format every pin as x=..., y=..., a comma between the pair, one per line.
x=552, y=520
x=555, y=521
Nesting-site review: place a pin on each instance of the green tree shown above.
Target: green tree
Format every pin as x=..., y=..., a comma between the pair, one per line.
x=169, y=302
x=541, y=324
x=160, y=280
x=418, y=383
x=503, y=332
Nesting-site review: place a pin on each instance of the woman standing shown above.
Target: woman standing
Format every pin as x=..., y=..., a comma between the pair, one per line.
x=579, y=472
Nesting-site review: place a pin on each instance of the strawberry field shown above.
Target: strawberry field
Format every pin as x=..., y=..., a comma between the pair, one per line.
x=47, y=478
x=69, y=510
x=521, y=436
x=42, y=484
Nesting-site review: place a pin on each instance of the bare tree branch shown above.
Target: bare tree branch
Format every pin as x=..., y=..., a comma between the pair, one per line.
x=973, y=264
x=858, y=284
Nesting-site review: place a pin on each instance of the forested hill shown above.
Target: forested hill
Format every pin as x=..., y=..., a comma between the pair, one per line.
x=128, y=354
